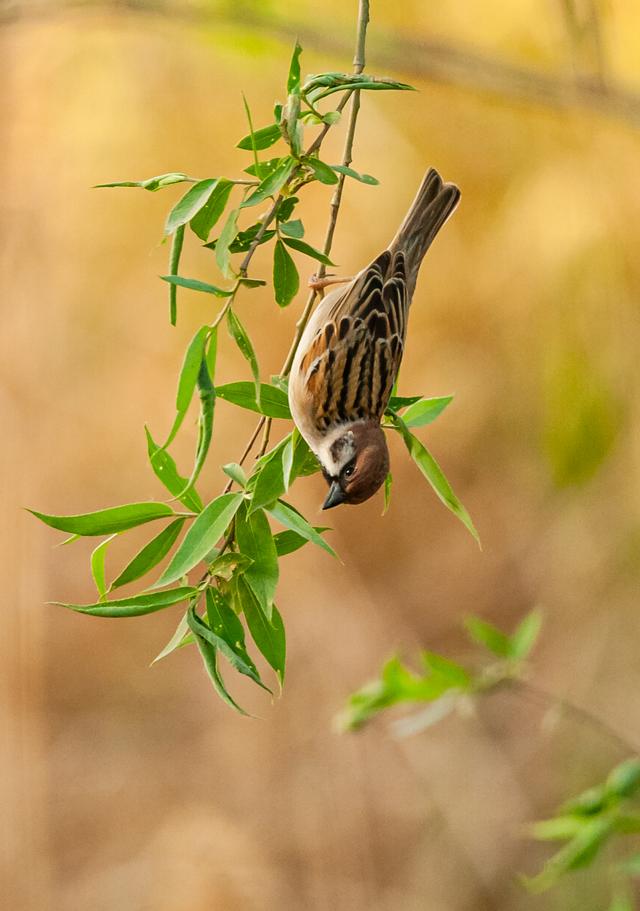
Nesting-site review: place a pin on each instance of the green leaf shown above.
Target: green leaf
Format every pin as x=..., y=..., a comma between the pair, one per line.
x=526, y=635
x=449, y=671
x=266, y=168
x=293, y=80
x=180, y=638
x=106, y=521
x=288, y=542
x=97, y=565
x=188, y=379
x=174, y=265
x=292, y=228
x=267, y=482
x=388, y=484
x=209, y=655
x=190, y=204
x=150, y=555
x=193, y=284
x=262, y=139
x=560, y=828
x=242, y=340
x=268, y=634
x=272, y=184
x=244, y=239
x=397, y=402
x=287, y=516
x=208, y=527
x=227, y=236
x=226, y=633
x=323, y=172
x=349, y=172
x=226, y=565
x=285, y=275
x=252, y=282
x=577, y=853
x=255, y=540
x=302, y=247
x=425, y=411
x=487, y=635
x=165, y=470
x=151, y=183
x=203, y=221
x=207, y=394
x=588, y=803
x=324, y=84
x=434, y=475
x=273, y=402
x=135, y=606
x=624, y=780
x=286, y=207
x=236, y=473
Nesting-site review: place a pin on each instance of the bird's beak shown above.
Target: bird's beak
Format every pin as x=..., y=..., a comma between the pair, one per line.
x=335, y=496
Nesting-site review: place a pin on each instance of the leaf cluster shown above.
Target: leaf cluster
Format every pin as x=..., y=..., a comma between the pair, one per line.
x=232, y=544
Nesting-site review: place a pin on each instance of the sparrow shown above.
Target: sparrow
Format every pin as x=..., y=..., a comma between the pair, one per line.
x=350, y=352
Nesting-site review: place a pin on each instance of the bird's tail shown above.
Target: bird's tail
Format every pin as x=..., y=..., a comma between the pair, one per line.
x=434, y=203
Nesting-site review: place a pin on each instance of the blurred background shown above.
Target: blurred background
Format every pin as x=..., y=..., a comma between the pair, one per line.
x=125, y=787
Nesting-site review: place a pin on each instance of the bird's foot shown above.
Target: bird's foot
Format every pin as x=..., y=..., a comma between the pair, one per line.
x=317, y=283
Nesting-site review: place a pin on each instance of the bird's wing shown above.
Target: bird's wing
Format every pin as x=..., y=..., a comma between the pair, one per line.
x=352, y=361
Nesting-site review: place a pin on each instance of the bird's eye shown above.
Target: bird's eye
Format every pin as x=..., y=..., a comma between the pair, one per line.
x=349, y=471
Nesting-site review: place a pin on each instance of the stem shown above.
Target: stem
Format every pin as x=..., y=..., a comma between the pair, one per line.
x=347, y=156
x=580, y=714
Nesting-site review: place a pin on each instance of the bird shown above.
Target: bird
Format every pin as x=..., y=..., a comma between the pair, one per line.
x=350, y=351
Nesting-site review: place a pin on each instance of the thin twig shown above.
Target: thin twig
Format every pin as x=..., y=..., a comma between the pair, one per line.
x=548, y=699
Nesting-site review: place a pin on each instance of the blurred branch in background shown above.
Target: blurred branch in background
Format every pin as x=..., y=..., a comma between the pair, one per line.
x=435, y=60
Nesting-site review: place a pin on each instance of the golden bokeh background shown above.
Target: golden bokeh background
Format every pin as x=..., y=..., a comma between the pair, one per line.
x=126, y=787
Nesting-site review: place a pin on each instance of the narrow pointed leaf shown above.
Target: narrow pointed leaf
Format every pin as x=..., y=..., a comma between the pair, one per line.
x=268, y=635
x=435, y=476
x=263, y=138
x=272, y=184
x=174, y=264
x=288, y=542
x=203, y=221
x=136, y=605
x=425, y=411
x=190, y=204
x=292, y=228
x=273, y=401
x=106, y=521
x=489, y=636
x=151, y=183
x=322, y=171
x=286, y=280
x=223, y=254
x=302, y=247
x=180, y=638
x=188, y=379
x=293, y=80
x=236, y=473
x=255, y=540
x=242, y=340
x=207, y=528
x=526, y=635
x=150, y=555
x=288, y=517
x=194, y=284
x=97, y=565
x=209, y=655
x=164, y=468
x=226, y=632
x=349, y=172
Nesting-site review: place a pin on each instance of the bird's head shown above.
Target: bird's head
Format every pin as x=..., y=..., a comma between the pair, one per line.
x=355, y=463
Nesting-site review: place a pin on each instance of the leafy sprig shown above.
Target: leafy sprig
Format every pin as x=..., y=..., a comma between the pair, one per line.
x=231, y=540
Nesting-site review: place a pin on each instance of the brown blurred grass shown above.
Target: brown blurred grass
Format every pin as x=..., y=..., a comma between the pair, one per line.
x=129, y=787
